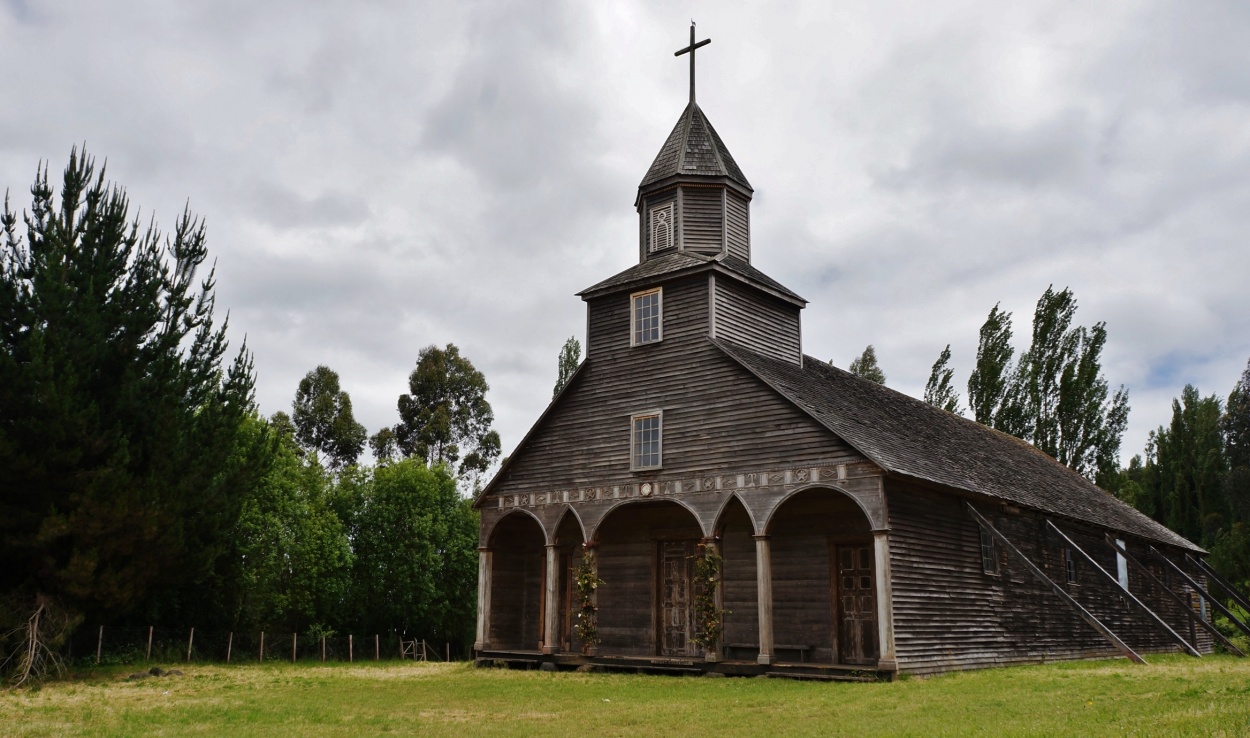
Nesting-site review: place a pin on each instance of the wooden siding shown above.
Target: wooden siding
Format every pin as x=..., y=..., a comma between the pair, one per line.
x=757, y=321
x=716, y=414
x=703, y=219
x=626, y=556
x=738, y=226
x=949, y=614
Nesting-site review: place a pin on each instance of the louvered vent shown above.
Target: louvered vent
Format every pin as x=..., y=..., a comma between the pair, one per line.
x=661, y=227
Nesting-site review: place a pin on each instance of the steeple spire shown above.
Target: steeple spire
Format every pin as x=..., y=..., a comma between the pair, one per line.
x=690, y=49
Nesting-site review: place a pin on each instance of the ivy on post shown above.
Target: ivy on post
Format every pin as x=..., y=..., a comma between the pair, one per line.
x=587, y=583
x=709, y=617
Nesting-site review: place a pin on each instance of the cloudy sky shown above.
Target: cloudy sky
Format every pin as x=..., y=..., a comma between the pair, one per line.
x=382, y=176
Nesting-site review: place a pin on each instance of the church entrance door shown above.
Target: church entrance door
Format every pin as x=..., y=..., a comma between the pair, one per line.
x=854, y=591
x=675, y=616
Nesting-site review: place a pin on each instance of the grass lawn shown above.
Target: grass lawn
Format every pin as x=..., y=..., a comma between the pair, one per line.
x=1172, y=696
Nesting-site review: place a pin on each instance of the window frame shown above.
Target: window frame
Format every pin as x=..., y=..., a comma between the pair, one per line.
x=634, y=442
x=671, y=208
x=989, y=564
x=659, y=316
x=1071, y=575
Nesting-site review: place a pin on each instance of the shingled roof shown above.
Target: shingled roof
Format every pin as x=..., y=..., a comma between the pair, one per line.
x=680, y=263
x=693, y=148
x=911, y=438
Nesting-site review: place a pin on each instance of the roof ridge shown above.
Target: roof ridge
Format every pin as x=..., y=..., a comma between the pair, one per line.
x=687, y=118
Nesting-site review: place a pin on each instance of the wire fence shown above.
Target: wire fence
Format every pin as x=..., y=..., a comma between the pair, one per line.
x=133, y=645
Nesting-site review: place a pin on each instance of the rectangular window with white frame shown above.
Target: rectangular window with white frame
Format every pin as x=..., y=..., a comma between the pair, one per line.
x=647, y=440
x=1121, y=565
x=648, y=324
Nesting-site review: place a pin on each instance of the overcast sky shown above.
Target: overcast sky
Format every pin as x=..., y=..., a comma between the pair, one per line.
x=378, y=177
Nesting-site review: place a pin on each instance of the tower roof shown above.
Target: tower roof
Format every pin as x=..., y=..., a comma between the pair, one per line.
x=693, y=148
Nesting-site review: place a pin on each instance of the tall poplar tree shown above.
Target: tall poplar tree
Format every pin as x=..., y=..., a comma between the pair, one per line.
x=939, y=391
x=570, y=357
x=987, y=387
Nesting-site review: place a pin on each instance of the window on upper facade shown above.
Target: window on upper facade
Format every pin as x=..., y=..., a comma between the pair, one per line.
x=647, y=438
x=661, y=227
x=1069, y=564
x=647, y=324
x=989, y=552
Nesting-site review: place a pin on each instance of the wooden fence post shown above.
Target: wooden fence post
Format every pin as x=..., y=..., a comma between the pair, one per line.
x=349, y=648
x=99, y=645
x=262, y=645
x=149, y=656
x=323, y=649
x=447, y=650
x=377, y=648
x=293, y=644
x=190, y=640
x=229, y=645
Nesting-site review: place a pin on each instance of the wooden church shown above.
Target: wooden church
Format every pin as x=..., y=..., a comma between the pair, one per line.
x=857, y=532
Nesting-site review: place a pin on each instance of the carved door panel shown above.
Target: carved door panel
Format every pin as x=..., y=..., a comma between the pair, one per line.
x=856, y=597
x=675, y=599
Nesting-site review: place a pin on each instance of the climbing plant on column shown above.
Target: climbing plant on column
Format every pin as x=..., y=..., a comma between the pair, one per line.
x=587, y=584
x=709, y=619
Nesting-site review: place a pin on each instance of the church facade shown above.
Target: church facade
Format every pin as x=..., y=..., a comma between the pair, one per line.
x=858, y=532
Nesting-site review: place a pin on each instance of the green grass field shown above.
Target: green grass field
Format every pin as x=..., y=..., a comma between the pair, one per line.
x=1172, y=696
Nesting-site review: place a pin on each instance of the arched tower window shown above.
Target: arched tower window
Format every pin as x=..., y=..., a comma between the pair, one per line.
x=661, y=227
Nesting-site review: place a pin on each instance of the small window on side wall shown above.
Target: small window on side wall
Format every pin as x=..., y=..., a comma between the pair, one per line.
x=1069, y=564
x=646, y=441
x=989, y=553
x=647, y=317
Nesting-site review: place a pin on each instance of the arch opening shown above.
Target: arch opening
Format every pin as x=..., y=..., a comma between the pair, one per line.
x=518, y=567
x=646, y=603
x=823, y=579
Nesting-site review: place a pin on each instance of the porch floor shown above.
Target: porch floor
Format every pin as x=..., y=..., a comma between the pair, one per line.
x=678, y=666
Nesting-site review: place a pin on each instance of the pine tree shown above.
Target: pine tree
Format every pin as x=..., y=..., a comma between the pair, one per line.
x=865, y=367
x=938, y=391
x=121, y=433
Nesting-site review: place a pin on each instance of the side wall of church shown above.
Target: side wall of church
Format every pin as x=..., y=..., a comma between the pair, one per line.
x=716, y=415
x=950, y=614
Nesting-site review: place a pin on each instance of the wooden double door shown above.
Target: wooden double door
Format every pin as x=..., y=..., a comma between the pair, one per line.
x=674, y=612
x=853, y=595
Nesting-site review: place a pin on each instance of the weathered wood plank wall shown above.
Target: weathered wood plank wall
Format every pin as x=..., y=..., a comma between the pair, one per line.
x=738, y=226
x=517, y=579
x=703, y=220
x=716, y=415
x=757, y=321
x=949, y=614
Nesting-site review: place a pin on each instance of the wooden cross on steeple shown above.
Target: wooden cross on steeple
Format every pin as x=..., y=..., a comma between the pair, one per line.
x=690, y=49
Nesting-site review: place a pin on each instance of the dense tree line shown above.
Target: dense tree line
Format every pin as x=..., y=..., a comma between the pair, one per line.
x=1194, y=475
x=141, y=485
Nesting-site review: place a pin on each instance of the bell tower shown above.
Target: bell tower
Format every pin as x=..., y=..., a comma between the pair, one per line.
x=694, y=198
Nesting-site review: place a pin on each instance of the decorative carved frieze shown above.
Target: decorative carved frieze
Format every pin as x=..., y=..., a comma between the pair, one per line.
x=785, y=477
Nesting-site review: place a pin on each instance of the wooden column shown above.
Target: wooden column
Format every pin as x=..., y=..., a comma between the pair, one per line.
x=483, y=599
x=764, y=586
x=885, y=601
x=551, y=607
